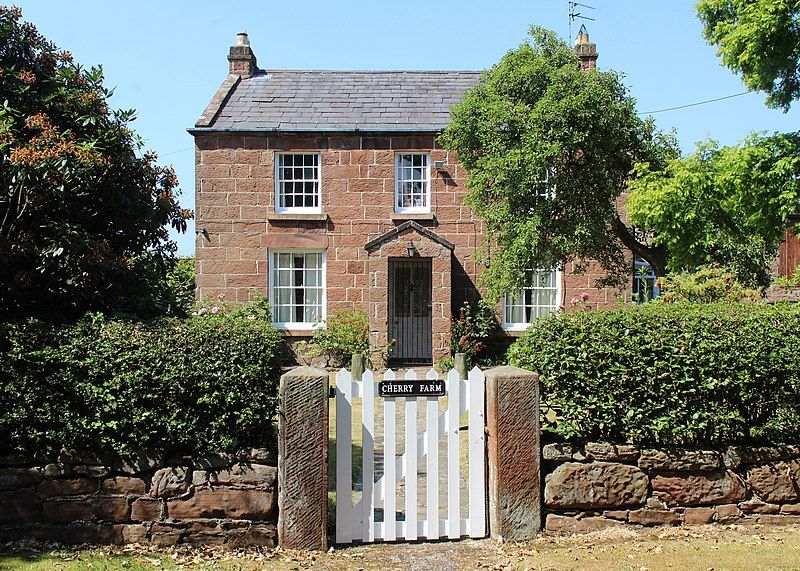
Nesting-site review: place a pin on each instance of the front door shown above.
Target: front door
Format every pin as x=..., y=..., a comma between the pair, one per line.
x=410, y=310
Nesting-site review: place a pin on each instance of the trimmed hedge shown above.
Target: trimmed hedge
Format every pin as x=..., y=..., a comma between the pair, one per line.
x=204, y=384
x=669, y=374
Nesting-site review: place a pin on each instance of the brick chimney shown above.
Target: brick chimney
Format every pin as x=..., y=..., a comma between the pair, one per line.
x=585, y=50
x=242, y=60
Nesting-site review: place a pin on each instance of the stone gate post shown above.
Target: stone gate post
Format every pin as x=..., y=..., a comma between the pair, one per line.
x=303, y=459
x=512, y=406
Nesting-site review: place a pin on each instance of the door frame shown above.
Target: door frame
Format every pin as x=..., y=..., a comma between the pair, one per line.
x=420, y=335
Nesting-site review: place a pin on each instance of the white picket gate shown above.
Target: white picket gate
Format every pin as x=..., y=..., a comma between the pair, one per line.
x=357, y=521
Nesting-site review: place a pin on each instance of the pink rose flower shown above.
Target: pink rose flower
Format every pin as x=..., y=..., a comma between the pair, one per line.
x=202, y=311
x=215, y=310
x=585, y=296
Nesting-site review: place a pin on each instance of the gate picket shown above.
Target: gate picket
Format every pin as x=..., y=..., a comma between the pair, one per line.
x=477, y=445
x=354, y=523
x=368, y=460
x=344, y=457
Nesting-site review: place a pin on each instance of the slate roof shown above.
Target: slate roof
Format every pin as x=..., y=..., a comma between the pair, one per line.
x=278, y=100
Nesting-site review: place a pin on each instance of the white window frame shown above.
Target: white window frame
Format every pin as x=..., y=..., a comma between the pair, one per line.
x=273, y=288
x=279, y=186
x=513, y=326
x=398, y=181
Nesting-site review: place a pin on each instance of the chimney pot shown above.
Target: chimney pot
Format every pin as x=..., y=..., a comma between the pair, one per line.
x=241, y=59
x=585, y=50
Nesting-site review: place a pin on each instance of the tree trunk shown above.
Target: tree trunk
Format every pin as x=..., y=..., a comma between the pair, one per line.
x=656, y=256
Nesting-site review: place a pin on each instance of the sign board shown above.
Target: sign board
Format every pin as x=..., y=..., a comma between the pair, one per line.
x=426, y=388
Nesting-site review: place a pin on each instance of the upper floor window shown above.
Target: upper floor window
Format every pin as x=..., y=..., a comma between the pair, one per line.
x=297, y=182
x=412, y=191
x=297, y=288
x=537, y=299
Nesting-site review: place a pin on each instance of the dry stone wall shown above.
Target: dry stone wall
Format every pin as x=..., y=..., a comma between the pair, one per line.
x=602, y=485
x=77, y=498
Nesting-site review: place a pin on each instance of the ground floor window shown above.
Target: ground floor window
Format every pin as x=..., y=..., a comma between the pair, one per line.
x=297, y=288
x=537, y=299
x=645, y=287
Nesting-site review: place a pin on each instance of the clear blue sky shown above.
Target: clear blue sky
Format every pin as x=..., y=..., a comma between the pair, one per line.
x=167, y=58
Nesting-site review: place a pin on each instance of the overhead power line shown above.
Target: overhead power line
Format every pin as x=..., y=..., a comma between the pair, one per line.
x=176, y=152
x=693, y=104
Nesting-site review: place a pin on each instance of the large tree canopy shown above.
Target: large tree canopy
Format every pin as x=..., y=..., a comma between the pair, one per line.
x=759, y=39
x=549, y=150
x=84, y=215
x=722, y=206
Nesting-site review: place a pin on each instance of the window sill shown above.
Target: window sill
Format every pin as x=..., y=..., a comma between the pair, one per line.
x=279, y=216
x=516, y=332
x=297, y=332
x=412, y=216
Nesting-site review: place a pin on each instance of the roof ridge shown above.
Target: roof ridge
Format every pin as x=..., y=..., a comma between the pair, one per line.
x=367, y=71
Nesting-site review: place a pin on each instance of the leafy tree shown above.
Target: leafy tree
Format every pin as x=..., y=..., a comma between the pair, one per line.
x=83, y=213
x=549, y=150
x=722, y=206
x=759, y=39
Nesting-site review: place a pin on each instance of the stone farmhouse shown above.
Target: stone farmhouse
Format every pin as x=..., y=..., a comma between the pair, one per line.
x=327, y=190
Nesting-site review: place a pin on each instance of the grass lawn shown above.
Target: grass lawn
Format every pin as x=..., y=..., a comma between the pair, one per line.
x=738, y=547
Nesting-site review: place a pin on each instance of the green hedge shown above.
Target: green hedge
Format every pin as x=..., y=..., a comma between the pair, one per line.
x=204, y=384
x=669, y=374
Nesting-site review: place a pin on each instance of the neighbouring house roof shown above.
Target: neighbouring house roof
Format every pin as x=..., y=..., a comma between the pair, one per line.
x=278, y=100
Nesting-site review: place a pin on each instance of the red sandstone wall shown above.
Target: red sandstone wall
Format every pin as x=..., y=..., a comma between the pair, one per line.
x=235, y=192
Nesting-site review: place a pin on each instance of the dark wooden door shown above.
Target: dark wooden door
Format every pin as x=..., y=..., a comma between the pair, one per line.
x=410, y=323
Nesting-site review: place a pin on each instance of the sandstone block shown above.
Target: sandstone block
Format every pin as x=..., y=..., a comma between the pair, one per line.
x=773, y=482
x=607, y=452
x=138, y=463
x=122, y=485
x=756, y=506
x=650, y=517
x=20, y=506
x=698, y=488
x=245, y=475
x=56, y=470
x=71, y=487
x=224, y=503
x=765, y=454
x=698, y=516
x=570, y=524
x=114, y=509
x=91, y=471
x=302, y=463
x=558, y=452
x=596, y=485
x=169, y=482
x=135, y=533
x=145, y=509
x=621, y=515
x=679, y=460
x=12, y=478
x=793, y=509
x=66, y=511
x=727, y=513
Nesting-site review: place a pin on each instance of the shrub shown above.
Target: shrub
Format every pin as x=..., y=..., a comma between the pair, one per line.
x=470, y=332
x=706, y=285
x=791, y=281
x=345, y=334
x=669, y=374
x=113, y=386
